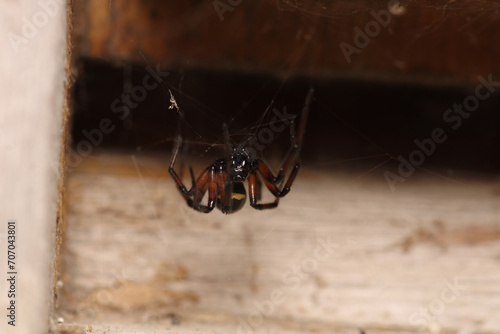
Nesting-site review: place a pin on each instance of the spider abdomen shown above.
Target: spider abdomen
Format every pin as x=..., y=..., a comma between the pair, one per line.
x=238, y=198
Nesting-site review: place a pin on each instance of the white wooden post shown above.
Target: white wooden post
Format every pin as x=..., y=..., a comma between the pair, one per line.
x=32, y=73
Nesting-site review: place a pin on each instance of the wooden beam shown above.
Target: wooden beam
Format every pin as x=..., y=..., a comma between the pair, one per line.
x=341, y=252
x=32, y=63
x=399, y=40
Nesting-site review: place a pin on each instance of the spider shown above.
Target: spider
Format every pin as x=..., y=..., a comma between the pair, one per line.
x=224, y=178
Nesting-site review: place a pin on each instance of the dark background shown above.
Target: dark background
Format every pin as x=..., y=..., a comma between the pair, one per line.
x=353, y=123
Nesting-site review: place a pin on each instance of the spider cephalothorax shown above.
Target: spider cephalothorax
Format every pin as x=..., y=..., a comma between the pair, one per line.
x=240, y=164
x=223, y=179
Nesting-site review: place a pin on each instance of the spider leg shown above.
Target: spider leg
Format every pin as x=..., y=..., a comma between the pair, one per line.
x=259, y=189
x=195, y=192
x=171, y=170
x=194, y=195
x=254, y=189
x=206, y=181
x=226, y=195
x=225, y=191
x=268, y=177
x=296, y=141
x=292, y=156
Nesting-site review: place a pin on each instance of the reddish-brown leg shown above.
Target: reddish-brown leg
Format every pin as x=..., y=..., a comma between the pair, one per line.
x=254, y=191
x=206, y=181
x=268, y=178
x=224, y=191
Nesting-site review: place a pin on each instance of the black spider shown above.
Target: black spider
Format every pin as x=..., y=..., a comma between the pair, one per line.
x=224, y=178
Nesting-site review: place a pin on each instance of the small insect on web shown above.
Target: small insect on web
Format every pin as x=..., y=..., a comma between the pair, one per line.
x=223, y=179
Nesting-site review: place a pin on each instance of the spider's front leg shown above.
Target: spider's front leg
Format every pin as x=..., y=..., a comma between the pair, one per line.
x=182, y=188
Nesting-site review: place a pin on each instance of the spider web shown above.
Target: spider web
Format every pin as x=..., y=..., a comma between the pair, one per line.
x=348, y=128
x=261, y=100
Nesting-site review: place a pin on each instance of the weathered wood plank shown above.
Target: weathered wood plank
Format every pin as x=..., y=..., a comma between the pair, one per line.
x=32, y=67
x=339, y=254
x=434, y=40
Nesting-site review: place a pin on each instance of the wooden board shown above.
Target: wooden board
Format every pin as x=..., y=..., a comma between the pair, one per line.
x=32, y=97
x=341, y=253
x=433, y=40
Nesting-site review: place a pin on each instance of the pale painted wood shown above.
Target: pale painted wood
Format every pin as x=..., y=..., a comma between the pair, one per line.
x=139, y=260
x=32, y=63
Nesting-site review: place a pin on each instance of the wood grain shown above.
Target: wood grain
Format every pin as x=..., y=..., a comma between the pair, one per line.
x=434, y=41
x=32, y=67
x=139, y=260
